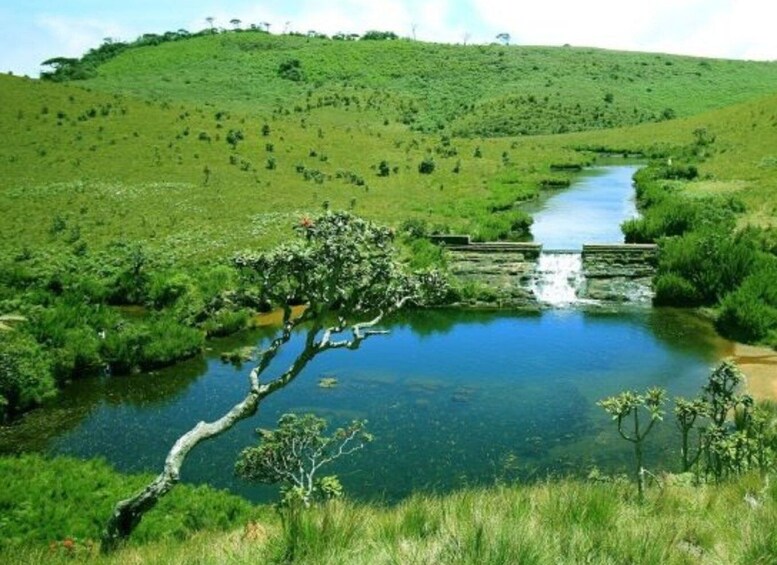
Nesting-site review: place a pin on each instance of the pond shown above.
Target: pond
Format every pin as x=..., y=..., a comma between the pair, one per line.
x=453, y=398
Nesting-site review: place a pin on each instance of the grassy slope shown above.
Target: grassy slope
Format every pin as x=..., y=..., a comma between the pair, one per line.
x=555, y=522
x=742, y=160
x=463, y=89
x=112, y=166
x=136, y=173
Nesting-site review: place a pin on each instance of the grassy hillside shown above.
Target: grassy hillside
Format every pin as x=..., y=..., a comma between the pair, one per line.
x=738, y=159
x=464, y=90
x=86, y=165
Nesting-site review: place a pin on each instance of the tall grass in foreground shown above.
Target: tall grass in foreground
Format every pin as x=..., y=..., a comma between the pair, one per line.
x=564, y=521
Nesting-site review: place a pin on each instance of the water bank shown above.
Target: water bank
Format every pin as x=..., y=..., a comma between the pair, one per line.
x=759, y=364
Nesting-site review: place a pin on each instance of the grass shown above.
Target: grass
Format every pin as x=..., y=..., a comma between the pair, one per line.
x=466, y=90
x=142, y=152
x=561, y=521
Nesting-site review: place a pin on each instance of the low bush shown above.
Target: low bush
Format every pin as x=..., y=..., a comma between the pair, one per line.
x=25, y=373
x=750, y=312
x=48, y=500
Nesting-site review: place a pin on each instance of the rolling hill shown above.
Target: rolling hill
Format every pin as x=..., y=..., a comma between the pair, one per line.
x=204, y=146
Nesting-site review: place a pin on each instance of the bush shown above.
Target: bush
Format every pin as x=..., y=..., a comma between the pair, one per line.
x=712, y=264
x=25, y=373
x=750, y=312
x=291, y=69
x=137, y=347
x=165, y=288
x=226, y=322
x=47, y=500
x=426, y=167
x=673, y=290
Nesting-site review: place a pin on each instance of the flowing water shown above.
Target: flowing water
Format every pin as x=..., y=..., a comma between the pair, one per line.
x=590, y=212
x=453, y=397
x=558, y=278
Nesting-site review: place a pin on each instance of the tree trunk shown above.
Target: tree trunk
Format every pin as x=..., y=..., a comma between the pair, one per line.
x=128, y=513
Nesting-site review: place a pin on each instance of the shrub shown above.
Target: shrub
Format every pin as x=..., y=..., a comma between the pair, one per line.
x=291, y=69
x=750, y=312
x=166, y=288
x=426, y=167
x=25, y=373
x=673, y=290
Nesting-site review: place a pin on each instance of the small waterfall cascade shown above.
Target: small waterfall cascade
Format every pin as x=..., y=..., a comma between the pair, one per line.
x=558, y=278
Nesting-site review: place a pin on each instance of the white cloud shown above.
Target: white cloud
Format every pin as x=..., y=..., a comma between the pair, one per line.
x=720, y=28
x=75, y=36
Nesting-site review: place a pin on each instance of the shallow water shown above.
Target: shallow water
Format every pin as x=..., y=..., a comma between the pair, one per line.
x=454, y=398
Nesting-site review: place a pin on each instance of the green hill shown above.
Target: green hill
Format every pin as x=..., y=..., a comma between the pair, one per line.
x=206, y=145
x=464, y=90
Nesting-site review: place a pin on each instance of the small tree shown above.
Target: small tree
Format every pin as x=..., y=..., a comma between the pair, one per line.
x=627, y=406
x=426, y=167
x=293, y=454
x=340, y=266
x=504, y=38
x=687, y=413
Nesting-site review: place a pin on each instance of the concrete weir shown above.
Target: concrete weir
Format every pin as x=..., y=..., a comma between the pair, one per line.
x=507, y=268
x=610, y=273
x=619, y=273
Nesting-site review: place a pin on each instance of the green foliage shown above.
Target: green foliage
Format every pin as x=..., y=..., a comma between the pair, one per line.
x=749, y=313
x=704, y=260
x=291, y=69
x=339, y=261
x=379, y=35
x=25, y=373
x=48, y=500
x=426, y=167
x=293, y=453
x=627, y=406
x=734, y=434
x=710, y=264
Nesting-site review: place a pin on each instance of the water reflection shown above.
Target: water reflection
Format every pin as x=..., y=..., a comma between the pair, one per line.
x=453, y=398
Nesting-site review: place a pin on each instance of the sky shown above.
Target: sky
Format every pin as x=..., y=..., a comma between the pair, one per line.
x=36, y=30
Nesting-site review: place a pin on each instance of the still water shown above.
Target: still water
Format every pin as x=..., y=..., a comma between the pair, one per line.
x=453, y=397
x=591, y=211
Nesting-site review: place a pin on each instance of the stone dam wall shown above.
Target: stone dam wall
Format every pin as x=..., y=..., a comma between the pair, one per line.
x=619, y=273
x=611, y=273
x=506, y=268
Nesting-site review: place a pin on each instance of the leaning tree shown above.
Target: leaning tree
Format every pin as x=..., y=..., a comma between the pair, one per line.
x=340, y=267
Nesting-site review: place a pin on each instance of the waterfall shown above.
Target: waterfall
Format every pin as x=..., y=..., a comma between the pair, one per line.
x=558, y=278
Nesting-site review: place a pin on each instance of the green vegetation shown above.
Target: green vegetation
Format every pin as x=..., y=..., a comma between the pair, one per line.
x=705, y=259
x=294, y=452
x=132, y=177
x=54, y=515
x=46, y=501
